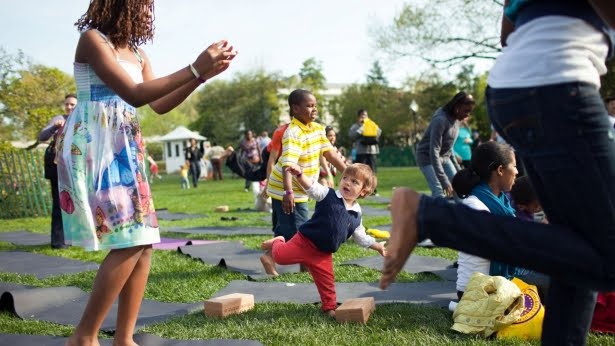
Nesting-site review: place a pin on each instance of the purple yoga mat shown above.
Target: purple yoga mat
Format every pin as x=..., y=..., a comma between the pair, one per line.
x=173, y=244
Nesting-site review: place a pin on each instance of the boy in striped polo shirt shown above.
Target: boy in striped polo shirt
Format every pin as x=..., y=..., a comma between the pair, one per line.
x=303, y=143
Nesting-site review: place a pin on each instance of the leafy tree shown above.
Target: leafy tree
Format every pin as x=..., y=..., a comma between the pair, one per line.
x=430, y=93
x=313, y=79
x=388, y=107
x=312, y=76
x=10, y=64
x=479, y=119
x=153, y=123
x=30, y=95
x=376, y=75
x=227, y=108
x=443, y=33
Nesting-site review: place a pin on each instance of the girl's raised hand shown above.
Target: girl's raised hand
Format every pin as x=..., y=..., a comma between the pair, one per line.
x=215, y=59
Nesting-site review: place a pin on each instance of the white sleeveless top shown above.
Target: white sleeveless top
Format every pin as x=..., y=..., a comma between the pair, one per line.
x=135, y=71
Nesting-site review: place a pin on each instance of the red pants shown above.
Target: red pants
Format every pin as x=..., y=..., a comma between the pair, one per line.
x=300, y=249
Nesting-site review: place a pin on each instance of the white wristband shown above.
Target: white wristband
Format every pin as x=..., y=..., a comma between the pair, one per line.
x=194, y=71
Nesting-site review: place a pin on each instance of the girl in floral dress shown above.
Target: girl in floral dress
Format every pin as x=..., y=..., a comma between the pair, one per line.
x=105, y=196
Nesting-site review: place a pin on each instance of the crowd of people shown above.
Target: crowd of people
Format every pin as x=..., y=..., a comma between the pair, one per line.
x=550, y=114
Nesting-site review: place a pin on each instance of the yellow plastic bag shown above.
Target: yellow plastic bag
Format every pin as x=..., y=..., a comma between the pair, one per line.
x=529, y=325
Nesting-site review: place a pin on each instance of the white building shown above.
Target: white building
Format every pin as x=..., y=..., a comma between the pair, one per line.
x=174, y=143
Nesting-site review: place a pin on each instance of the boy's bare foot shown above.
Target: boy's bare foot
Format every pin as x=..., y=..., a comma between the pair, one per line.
x=330, y=313
x=268, y=244
x=404, y=233
x=269, y=264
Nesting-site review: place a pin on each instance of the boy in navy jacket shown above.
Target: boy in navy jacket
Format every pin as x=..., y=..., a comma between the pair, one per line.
x=337, y=216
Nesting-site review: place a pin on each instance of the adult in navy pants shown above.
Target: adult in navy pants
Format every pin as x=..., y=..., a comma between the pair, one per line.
x=552, y=114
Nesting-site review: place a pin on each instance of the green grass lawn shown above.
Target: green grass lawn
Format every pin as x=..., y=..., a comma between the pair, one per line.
x=178, y=278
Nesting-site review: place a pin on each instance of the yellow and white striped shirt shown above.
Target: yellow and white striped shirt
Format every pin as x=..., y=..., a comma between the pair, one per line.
x=302, y=144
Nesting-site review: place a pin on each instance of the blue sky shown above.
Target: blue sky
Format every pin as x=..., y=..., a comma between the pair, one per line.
x=277, y=35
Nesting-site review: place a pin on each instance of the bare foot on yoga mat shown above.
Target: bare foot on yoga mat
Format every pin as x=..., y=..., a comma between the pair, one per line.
x=269, y=264
x=404, y=208
x=268, y=244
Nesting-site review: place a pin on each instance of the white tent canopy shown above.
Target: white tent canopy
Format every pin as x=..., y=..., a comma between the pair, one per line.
x=181, y=133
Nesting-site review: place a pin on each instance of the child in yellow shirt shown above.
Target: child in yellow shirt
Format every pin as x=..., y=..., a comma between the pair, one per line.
x=183, y=173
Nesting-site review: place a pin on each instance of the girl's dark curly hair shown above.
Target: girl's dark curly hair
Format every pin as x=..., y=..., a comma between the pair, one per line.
x=125, y=22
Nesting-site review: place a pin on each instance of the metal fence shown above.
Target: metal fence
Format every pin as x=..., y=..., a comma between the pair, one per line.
x=24, y=190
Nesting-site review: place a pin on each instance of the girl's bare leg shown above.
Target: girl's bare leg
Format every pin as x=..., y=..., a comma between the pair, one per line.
x=113, y=273
x=130, y=300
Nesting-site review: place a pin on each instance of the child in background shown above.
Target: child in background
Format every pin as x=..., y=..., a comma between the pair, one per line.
x=526, y=204
x=337, y=216
x=153, y=168
x=327, y=170
x=524, y=199
x=183, y=174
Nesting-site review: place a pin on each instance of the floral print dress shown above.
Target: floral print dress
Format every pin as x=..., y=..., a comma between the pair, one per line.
x=104, y=192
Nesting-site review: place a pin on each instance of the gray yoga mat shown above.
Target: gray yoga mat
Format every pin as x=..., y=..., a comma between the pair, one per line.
x=415, y=264
x=379, y=199
x=9, y=286
x=436, y=292
x=64, y=305
x=165, y=214
x=371, y=211
x=25, y=238
x=235, y=257
x=221, y=230
x=41, y=266
x=141, y=339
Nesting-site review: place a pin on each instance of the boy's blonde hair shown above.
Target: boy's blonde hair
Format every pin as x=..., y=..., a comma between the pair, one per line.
x=364, y=173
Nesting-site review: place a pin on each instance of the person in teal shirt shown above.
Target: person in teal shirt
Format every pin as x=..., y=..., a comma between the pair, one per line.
x=463, y=144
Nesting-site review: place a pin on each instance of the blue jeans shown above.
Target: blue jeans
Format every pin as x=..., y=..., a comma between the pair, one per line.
x=288, y=224
x=195, y=172
x=563, y=136
x=432, y=180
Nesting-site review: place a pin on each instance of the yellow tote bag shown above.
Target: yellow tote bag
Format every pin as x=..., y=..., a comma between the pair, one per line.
x=529, y=325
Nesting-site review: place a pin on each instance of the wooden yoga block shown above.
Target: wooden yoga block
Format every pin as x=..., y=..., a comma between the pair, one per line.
x=355, y=310
x=229, y=304
x=222, y=209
